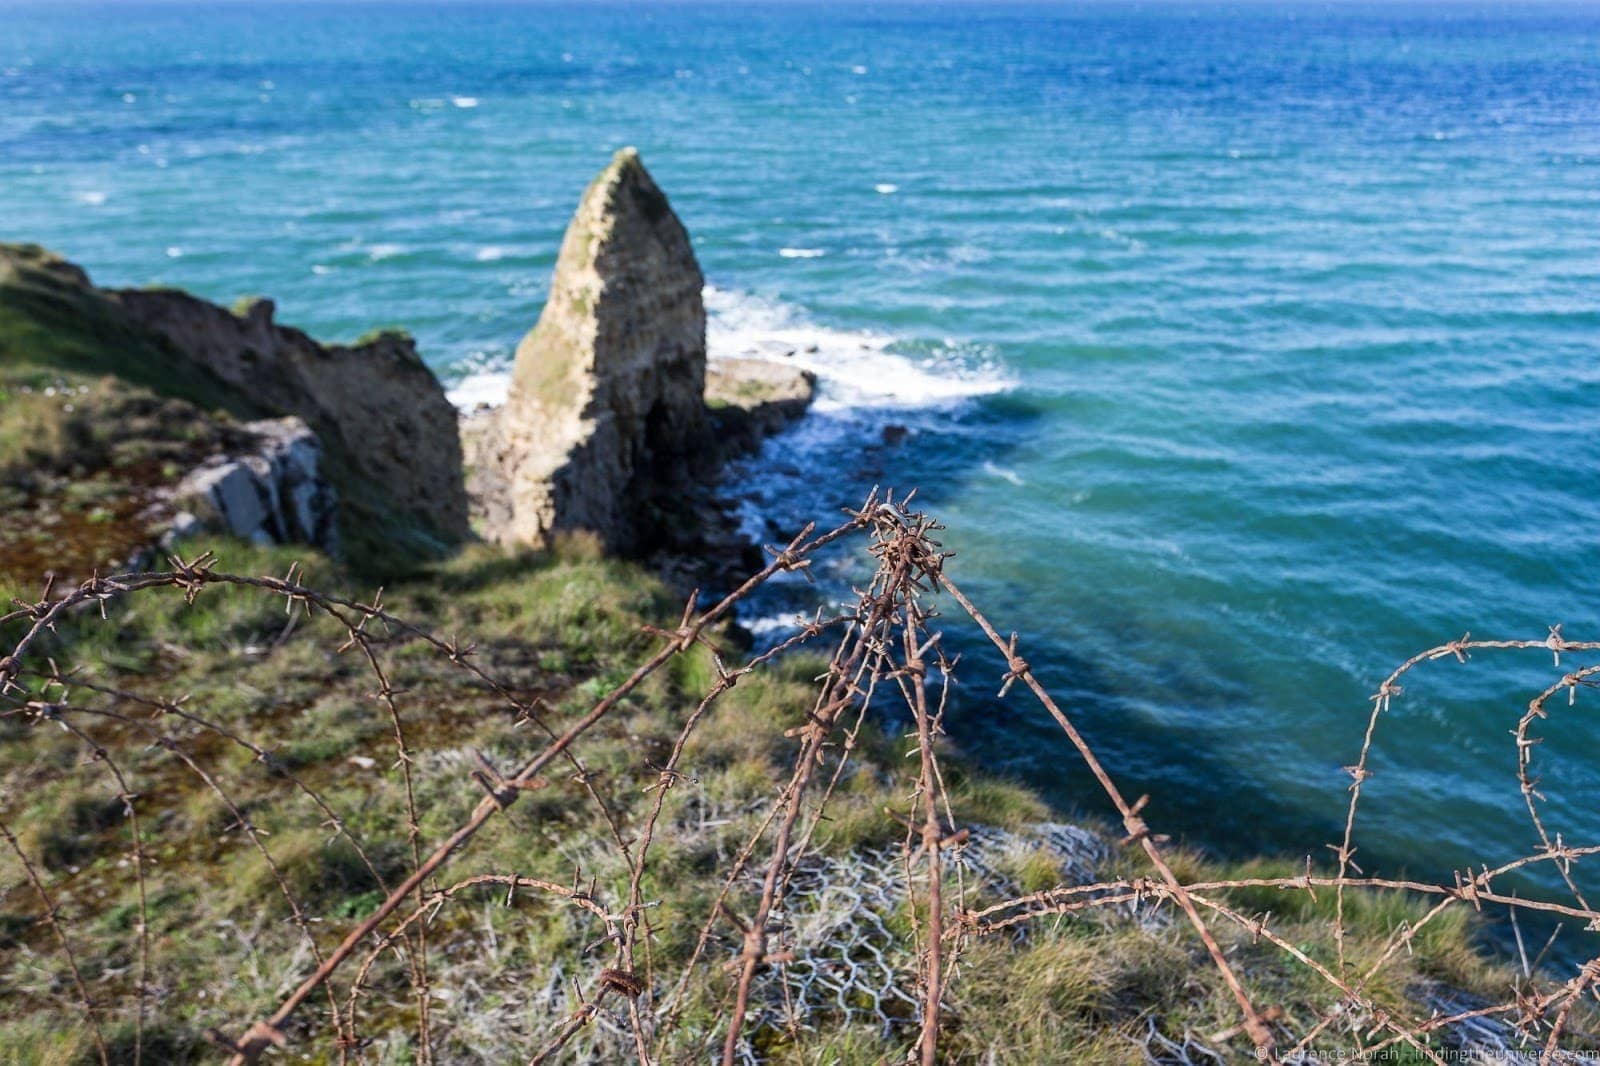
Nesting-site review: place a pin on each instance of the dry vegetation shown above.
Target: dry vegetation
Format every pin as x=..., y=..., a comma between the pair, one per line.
x=594, y=834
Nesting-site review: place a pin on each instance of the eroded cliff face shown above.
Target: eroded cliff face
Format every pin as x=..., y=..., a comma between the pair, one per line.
x=606, y=422
x=375, y=406
x=113, y=397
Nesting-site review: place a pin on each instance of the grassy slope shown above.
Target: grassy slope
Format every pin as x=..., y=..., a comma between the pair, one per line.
x=566, y=626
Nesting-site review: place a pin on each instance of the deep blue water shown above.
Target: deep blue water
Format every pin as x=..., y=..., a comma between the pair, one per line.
x=1246, y=349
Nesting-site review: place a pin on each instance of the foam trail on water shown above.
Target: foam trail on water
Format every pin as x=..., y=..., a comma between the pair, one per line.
x=1009, y=476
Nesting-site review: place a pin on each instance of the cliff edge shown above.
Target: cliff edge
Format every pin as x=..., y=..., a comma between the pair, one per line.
x=375, y=405
x=110, y=400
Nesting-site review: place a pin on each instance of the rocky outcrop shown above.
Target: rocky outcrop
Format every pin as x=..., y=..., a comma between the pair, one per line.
x=751, y=399
x=272, y=492
x=169, y=379
x=606, y=422
x=377, y=409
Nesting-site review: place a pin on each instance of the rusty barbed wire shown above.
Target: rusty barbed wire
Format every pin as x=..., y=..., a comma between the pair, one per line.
x=749, y=949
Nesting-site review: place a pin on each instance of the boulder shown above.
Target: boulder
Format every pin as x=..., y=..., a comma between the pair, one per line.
x=605, y=422
x=271, y=493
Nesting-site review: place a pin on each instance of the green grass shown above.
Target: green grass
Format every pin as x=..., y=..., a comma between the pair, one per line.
x=564, y=626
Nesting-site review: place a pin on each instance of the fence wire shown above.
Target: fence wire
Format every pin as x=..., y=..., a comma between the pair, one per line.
x=788, y=934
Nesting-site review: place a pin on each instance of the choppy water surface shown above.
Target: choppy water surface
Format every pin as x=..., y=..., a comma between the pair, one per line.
x=1244, y=349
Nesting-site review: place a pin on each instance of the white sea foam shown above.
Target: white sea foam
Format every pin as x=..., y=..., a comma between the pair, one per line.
x=93, y=198
x=801, y=253
x=1003, y=474
x=887, y=188
x=484, y=378
x=464, y=102
x=490, y=254
x=856, y=369
x=481, y=387
x=379, y=252
x=769, y=628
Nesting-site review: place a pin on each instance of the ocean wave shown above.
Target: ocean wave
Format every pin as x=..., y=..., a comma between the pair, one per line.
x=802, y=253
x=856, y=369
x=482, y=378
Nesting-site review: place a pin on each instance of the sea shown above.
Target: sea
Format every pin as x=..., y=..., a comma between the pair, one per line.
x=1244, y=349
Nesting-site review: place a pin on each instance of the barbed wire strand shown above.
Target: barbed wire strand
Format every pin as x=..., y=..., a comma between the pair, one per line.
x=886, y=635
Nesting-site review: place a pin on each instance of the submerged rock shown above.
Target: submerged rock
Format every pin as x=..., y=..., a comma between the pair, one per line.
x=606, y=422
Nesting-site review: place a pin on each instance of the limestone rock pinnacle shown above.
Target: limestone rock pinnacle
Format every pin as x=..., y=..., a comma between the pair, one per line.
x=606, y=418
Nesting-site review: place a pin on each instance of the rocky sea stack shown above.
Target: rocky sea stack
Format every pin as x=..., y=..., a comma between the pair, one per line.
x=613, y=423
x=605, y=423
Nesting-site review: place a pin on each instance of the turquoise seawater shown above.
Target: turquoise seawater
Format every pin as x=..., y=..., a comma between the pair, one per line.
x=1245, y=349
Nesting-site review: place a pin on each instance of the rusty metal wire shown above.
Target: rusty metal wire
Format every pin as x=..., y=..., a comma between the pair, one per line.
x=777, y=940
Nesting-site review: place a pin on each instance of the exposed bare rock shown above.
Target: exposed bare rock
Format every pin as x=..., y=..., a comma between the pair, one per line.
x=375, y=405
x=605, y=423
x=751, y=399
x=272, y=492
